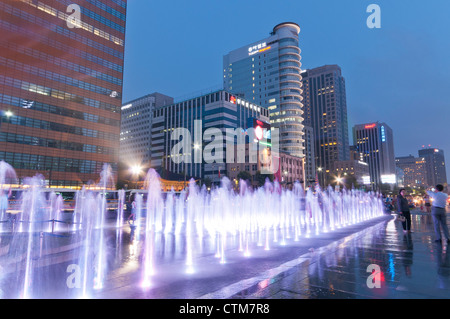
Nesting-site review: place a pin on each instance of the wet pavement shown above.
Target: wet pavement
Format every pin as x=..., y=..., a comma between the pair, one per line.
x=412, y=266
x=333, y=265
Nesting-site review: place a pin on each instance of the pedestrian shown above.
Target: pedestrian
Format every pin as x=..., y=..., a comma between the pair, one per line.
x=438, y=212
x=403, y=209
x=132, y=217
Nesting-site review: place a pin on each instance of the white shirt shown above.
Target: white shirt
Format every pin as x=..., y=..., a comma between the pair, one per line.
x=439, y=198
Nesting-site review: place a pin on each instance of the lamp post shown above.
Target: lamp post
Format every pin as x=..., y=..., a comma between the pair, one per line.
x=319, y=169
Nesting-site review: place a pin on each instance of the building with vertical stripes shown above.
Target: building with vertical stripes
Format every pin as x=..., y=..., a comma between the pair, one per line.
x=375, y=143
x=61, y=75
x=206, y=118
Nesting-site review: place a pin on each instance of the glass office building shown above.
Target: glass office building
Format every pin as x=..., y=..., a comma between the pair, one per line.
x=267, y=72
x=207, y=118
x=61, y=76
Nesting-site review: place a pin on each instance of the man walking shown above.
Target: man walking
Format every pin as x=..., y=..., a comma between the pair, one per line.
x=438, y=212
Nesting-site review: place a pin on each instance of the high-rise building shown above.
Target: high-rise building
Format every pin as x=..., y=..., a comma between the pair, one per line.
x=325, y=106
x=135, y=129
x=414, y=171
x=267, y=72
x=61, y=87
x=434, y=166
x=375, y=142
x=204, y=120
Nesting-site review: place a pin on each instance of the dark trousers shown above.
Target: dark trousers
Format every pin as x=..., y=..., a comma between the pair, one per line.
x=407, y=223
x=440, y=221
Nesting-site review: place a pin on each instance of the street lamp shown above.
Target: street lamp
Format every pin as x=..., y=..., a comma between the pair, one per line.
x=339, y=181
x=136, y=171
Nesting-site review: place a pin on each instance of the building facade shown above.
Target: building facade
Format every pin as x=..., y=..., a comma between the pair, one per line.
x=358, y=170
x=268, y=73
x=325, y=110
x=375, y=142
x=310, y=157
x=290, y=169
x=60, y=87
x=203, y=121
x=434, y=162
x=135, y=129
x=414, y=172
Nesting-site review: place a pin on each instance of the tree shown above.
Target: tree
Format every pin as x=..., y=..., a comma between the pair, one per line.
x=350, y=182
x=261, y=178
x=207, y=181
x=244, y=175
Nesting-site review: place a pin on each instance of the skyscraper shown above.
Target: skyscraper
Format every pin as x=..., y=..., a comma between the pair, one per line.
x=325, y=106
x=135, y=129
x=60, y=87
x=434, y=166
x=375, y=142
x=267, y=72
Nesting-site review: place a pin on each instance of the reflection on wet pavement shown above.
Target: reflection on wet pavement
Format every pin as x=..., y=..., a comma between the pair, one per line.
x=331, y=265
x=412, y=266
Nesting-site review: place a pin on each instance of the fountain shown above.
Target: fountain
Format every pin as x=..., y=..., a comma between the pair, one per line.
x=36, y=255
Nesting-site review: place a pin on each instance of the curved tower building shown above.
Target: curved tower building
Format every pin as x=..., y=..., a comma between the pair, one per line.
x=268, y=72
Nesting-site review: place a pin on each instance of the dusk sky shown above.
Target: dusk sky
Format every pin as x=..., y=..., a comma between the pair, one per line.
x=398, y=74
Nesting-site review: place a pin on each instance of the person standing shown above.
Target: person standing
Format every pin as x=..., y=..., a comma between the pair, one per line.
x=403, y=209
x=438, y=212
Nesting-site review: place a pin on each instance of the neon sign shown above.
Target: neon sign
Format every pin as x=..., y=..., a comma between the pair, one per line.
x=369, y=126
x=261, y=47
x=383, y=134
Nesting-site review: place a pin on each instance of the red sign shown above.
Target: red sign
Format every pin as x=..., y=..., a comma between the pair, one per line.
x=368, y=126
x=232, y=99
x=259, y=132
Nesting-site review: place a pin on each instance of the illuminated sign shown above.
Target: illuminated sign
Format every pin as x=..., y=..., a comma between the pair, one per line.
x=259, y=132
x=261, y=47
x=262, y=129
x=232, y=99
x=383, y=134
x=126, y=106
x=369, y=126
x=436, y=150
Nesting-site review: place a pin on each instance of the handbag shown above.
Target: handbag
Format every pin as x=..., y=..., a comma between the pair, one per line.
x=400, y=218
